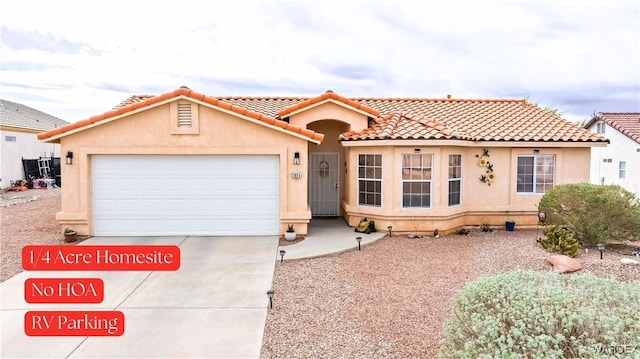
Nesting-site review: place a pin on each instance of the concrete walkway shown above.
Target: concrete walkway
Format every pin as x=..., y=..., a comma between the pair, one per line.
x=214, y=306
x=328, y=236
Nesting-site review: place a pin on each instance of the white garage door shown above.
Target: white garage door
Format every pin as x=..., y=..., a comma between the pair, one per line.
x=153, y=195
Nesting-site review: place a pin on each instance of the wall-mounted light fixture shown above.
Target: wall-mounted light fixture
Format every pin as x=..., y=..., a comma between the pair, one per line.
x=416, y=150
x=296, y=158
x=536, y=151
x=69, y=158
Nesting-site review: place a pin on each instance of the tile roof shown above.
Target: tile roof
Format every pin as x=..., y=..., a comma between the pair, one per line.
x=327, y=96
x=628, y=123
x=468, y=119
x=16, y=115
x=395, y=118
x=401, y=127
x=186, y=92
x=488, y=120
x=133, y=99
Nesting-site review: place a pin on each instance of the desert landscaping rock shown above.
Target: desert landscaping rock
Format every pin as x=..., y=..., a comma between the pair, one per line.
x=388, y=300
x=629, y=261
x=564, y=264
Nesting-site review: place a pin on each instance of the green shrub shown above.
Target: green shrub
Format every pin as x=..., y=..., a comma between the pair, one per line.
x=594, y=213
x=525, y=314
x=559, y=240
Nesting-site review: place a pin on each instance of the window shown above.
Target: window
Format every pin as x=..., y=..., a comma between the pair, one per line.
x=10, y=138
x=607, y=160
x=370, y=180
x=600, y=128
x=535, y=173
x=455, y=179
x=416, y=180
x=622, y=169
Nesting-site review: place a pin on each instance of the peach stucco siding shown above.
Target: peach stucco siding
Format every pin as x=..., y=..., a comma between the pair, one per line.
x=480, y=202
x=218, y=131
x=149, y=132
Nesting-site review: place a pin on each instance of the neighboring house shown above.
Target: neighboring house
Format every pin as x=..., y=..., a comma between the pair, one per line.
x=19, y=126
x=183, y=163
x=619, y=162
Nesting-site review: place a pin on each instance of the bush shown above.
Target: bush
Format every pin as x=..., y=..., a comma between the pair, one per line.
x=525, y=314
x=594, y=213
x=559, y=240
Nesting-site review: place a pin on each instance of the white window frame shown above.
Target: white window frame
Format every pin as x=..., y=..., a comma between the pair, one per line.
x=535, y=175
x=622, y=169
x=600, y=127
x=370, y=173
x=409, y=174
x=453, y=179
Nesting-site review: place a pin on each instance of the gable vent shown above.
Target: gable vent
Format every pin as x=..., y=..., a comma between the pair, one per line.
x=184, y=115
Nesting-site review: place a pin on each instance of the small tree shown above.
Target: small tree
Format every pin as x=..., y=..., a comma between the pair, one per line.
x=594, y=213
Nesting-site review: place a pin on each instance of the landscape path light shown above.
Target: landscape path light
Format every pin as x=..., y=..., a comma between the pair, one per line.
x=359, y=239
x=270, y=294
x=389, y=228
x=282, y=253
x=600, y=248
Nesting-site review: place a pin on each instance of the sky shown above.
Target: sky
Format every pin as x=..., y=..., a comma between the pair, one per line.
x=76, y=59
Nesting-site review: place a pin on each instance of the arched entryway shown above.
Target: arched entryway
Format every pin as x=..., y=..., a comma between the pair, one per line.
x=326, y=169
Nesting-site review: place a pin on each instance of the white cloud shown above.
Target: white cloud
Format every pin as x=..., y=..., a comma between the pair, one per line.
x=577, y=56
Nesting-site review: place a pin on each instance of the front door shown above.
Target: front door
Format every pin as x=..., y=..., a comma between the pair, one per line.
x=324, y=186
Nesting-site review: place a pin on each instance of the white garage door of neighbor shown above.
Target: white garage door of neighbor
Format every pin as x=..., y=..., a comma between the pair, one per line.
x=163, y=195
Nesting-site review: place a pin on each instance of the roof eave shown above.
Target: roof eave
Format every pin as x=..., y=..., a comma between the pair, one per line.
x=106, y=118
x=470, y=143
x=284, y=114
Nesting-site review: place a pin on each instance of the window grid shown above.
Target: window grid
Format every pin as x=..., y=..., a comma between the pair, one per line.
x=455, y=179
x=370, y=180
x=416, y=180
x=622, y=169
x=535, y=173
x=600, y=128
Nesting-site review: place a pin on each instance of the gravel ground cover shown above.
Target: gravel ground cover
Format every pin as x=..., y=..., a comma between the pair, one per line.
x=28, y=218
x=388, y=300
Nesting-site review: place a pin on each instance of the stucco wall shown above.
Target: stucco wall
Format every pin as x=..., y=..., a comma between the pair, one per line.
x=26, y=146
x=149, y=132
x=480, y=202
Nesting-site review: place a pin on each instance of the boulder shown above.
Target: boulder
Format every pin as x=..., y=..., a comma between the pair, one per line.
x=564, y=264
x=629, y=261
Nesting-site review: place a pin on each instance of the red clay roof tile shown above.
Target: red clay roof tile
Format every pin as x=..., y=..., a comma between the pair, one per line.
x=137, y=102
x=326, y=96
x=408, y=118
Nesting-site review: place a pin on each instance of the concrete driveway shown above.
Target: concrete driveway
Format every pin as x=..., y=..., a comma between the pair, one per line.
x=214, y=306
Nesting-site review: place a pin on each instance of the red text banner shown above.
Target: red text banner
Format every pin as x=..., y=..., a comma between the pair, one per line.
x=107, y=258
x=74, y=323
x=64, y=290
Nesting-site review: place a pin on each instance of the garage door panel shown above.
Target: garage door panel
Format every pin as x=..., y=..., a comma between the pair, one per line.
x=185, y=195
